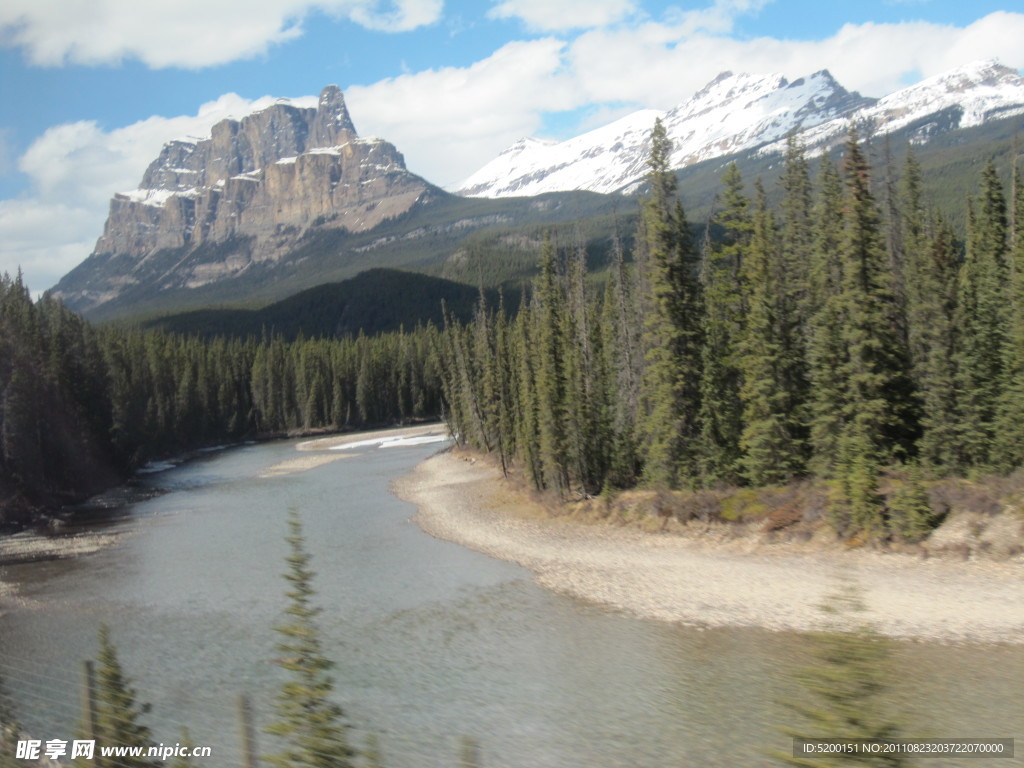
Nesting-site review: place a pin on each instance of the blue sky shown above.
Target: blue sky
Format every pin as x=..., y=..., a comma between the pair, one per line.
x=92, y=88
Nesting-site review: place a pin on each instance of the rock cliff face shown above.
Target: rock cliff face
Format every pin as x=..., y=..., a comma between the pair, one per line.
x=259, y=183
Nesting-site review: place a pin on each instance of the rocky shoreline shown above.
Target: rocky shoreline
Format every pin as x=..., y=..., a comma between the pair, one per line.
x=702, y=581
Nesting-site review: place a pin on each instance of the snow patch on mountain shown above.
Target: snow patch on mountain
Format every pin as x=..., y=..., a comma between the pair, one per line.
x=735, y=113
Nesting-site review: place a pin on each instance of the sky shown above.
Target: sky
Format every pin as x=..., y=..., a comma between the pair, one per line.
x=91, y=89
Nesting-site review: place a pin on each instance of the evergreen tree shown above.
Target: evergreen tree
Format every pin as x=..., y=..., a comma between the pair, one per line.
x=931, y=261
x=1009, y=444
x=670, y=383
x=983, y=317
x=310, y=725
x=724, y=311
x=796, y=302
x=587, y=439
x=845, y=689
x=771, y=447
x=620, y=332
x=526, y=412
x=117, y=712
x=551, y=384
x=826, y=351
x=910, y=513
x=797, y=236
x=877, y=399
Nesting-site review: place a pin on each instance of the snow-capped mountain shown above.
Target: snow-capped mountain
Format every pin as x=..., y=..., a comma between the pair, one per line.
x=735, y=113
x=961, y=98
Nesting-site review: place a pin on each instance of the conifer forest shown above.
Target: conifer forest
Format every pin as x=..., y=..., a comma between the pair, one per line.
x=846, y=332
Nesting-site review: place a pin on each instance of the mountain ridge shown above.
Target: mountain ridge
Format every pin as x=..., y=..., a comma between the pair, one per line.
x=290, y=197
x=736, y=113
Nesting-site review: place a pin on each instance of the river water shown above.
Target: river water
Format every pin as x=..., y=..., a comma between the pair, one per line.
x=432, y=642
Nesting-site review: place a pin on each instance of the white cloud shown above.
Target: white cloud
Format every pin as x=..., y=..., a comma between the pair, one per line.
x=450, y=121
x=406, y=15
x=548, y=16
x=660, y=64
x=183, y=33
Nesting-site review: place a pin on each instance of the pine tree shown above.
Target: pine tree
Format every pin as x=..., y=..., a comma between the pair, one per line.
x=669, y=386
x=620, y=331
x=877, y=399
x=551, y=384
x=1009, y=447
x=931, y=262
x=724, y=310
x=797, y=244
x=982, y=316
x=117, y=712
x=771, y=447
x=910, y=513
x=526, y=415
x=310, y=725
x=826, y=351
x=587, y=438
x=797, y=234
x=845, y=688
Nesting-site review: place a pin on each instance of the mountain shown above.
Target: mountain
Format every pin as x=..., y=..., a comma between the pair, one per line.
x=290, y=197
x=739, y=113
x=258, y=183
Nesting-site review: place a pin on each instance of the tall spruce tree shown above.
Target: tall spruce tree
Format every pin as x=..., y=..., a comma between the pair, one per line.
x=797, y=245
x=588, y=440
x=724, y=311
x=551, y=384
x=983, y=317
x=669, y=385
x=1009, y=448
x=826, y=351
x=771, y=447
x=311, y=726
x=526, y=415
x=930, y=258
x=877, y=396
x=620, y=333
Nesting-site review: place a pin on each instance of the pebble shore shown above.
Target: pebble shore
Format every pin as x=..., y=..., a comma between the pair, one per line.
x=683, y=579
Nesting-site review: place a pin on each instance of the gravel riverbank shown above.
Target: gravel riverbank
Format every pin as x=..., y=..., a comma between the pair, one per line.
x=677, y=578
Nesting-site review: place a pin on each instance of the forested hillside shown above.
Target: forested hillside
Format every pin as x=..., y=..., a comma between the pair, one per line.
x=835, y=336
x=372, y=302
x=81, y=406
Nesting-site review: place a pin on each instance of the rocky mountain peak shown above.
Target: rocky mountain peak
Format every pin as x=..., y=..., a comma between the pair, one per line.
x=247, y=193
x=332, y=125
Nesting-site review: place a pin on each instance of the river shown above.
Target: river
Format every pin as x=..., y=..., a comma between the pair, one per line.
x=432, y=642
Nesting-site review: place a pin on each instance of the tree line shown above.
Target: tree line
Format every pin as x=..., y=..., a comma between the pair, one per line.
x=81, y=406
x=842, y=333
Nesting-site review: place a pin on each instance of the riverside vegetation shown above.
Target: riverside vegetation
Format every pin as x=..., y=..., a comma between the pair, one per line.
x=836, y=340
x=844, y=344
x=82, y=406
x=841, y=340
